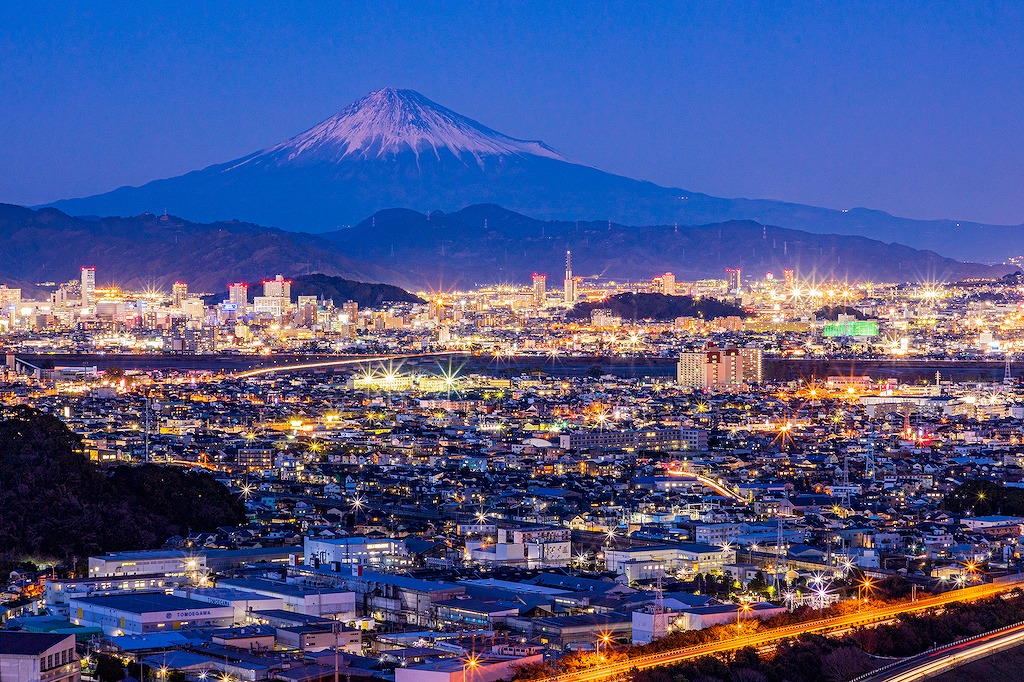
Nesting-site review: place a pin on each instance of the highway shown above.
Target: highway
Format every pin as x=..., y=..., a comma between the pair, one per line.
x=760, y=638
x=944, y=658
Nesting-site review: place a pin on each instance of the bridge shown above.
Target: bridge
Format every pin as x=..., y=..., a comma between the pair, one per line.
x=709, y=483
x=323, y=364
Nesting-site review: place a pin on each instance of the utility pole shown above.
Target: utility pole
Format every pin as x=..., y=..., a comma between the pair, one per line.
x=846, y=480
x=147, y=425
x=869, y=460
x=337, y=638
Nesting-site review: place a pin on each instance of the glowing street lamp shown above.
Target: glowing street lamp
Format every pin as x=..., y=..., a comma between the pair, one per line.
x=743, y=607
x=469, y=664
x=864, y=588
x=604, y=638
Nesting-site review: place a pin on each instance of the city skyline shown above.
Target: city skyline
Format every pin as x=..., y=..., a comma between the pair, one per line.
x=430, y=347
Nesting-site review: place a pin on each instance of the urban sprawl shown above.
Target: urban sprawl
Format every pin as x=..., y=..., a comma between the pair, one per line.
x=483, y=485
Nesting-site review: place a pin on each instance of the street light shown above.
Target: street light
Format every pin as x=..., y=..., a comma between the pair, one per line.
x=866, y=587
x=469, y=664
x=742, y=608
x=606, y=639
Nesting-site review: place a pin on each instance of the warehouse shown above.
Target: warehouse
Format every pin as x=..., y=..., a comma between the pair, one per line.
x=138, y=614
x=312, y=601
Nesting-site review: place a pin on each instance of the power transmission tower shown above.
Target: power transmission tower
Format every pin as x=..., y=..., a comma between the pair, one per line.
x=846, y=480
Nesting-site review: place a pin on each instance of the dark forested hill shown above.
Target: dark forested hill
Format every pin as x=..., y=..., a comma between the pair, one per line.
x=658, y=307
x=57, y=505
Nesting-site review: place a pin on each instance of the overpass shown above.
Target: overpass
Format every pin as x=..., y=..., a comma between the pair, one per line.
x=948, y=656
x=765, y=638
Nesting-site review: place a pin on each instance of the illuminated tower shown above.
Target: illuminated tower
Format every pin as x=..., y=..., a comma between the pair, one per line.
x=540, y=289
x=88, y=286
x=569, y=284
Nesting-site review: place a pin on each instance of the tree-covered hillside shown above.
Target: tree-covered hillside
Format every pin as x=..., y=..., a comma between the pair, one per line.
x=57, y=505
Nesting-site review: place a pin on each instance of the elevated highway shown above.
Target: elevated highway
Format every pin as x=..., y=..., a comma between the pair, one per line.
x=769, y=637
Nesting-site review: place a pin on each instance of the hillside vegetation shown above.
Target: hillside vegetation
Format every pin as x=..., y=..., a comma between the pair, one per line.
x=56, y=505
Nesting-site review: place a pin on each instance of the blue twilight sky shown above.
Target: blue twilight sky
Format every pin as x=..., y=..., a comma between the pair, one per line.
x=916, y=108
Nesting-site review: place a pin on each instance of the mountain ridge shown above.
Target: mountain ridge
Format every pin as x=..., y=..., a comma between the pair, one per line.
x=370, y=156
x=486, y=243
x=147, y=249
x=480, y=244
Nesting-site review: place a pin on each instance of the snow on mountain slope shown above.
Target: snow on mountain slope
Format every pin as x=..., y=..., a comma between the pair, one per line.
x=390, y=121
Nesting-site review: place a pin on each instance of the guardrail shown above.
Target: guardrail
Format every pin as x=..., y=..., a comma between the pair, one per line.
x=775, y=633
x=931, y=650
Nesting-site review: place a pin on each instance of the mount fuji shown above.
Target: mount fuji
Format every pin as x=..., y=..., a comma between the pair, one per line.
x=397, y=149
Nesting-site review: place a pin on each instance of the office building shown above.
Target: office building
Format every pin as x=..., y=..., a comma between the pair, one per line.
x=350, y=311
x=279, y=287
x=88, y=286
x=734, y=281
x=665, y=284
x=238, y=293
x=179, y=292
x=540, y=286
x=9, y=298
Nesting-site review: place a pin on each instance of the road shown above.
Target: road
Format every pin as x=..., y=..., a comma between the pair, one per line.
x=944, y=658
x=760, y=638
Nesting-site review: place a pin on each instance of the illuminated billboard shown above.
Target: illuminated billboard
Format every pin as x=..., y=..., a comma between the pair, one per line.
x=851, y=328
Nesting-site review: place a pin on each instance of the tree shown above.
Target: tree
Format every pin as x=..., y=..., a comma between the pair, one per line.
x=844, y=663
x=109, y=669
x=90, y=510
x=759, y=583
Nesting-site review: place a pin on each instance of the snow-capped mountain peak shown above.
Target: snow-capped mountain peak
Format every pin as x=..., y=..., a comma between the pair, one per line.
x=390, y=121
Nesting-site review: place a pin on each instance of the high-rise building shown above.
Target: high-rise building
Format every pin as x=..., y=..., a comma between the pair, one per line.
x=789, y=278
x=667, y=284
x=718, y=367
x=9, y=297
x=734, y=279
x=88, y=286
x=179, y=292
x=279, y=287
x=238, y=293
x=351, y=310
x=569, y=284
x=540, y=289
